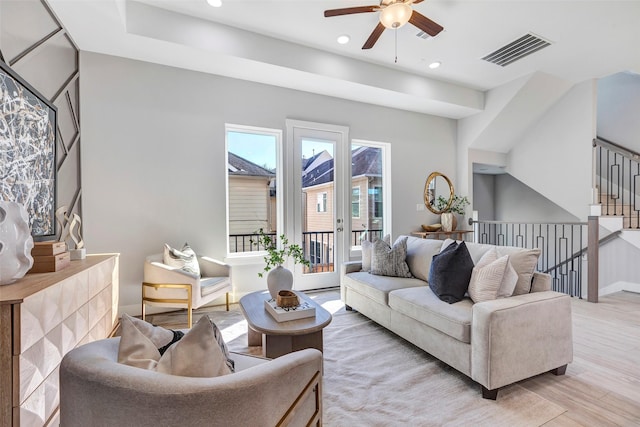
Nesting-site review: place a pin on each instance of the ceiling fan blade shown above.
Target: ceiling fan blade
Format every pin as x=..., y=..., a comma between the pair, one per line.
x=425, y=24
x=373, y=38
x=350, y=10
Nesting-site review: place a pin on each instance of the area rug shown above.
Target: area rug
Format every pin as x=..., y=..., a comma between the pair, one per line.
x=372, y=377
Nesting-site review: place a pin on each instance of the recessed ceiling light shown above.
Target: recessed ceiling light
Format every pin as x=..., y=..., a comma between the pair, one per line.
x=344, y=39
x=435, y=65
x=215, y=3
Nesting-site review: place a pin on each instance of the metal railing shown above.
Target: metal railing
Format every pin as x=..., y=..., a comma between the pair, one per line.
x=617, y=176
x=317, y=246
x=562, y=247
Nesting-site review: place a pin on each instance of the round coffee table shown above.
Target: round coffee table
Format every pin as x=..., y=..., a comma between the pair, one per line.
x=278, y=338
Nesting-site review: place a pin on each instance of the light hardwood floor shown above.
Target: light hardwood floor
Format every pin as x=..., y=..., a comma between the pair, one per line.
x=601, y=386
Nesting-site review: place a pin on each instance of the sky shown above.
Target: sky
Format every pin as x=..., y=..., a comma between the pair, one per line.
x=261, y=149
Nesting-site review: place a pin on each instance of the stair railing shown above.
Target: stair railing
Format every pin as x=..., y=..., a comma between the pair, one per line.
x=569, y=250
x=617, y=177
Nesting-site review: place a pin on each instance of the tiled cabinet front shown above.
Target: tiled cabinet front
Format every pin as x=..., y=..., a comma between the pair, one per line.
x=77, y=309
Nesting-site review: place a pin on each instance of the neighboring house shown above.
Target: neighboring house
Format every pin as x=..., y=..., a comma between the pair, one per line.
x=366, y=201
x=251, y=200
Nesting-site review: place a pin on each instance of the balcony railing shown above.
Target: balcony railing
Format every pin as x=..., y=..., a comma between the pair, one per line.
x=317, y=246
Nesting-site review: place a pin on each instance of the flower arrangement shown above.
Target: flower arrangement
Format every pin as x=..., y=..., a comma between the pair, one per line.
x=458, y=204
x=276, y=257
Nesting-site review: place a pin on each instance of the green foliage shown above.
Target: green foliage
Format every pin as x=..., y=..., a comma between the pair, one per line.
x=457, y=205
x=275, y=256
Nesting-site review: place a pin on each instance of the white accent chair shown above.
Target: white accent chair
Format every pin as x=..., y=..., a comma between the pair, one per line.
x=166, y=286
x=97, y=391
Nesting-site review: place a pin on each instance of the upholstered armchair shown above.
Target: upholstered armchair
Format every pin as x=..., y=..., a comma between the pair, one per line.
x=167, y=286
x=97, y=391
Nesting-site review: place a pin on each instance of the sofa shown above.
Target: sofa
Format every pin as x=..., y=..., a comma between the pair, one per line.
x=96, y=390
x=495, y=343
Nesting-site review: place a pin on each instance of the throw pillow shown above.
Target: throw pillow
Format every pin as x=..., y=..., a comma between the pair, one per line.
x=524, y=263
x=184, y=259
x=492, y=278
x=450, y=272
x=367, y=248
x=390, y=261
x=201, y=352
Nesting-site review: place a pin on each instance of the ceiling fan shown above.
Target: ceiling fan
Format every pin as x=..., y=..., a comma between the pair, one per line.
x=393, y=14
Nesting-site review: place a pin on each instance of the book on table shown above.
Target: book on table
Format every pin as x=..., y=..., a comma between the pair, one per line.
x=283, y=314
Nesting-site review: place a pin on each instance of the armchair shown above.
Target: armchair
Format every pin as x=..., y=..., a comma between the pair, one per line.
x=97, y=391
x=167, y=286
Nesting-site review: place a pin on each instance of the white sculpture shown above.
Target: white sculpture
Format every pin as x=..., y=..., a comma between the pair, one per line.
x=70, y=228
x=15, y=242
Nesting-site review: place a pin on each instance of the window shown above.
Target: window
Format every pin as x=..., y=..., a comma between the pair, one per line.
x=315, y=253
x=355, y=202
x=321, y=205
x=370, y=174
x=253, y=168
x=377, y=202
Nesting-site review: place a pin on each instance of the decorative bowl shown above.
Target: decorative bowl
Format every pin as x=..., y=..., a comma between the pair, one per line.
x=432, y=227
x=287, y=299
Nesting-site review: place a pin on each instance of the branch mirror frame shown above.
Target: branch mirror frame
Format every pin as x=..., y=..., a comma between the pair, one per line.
x=430, y=195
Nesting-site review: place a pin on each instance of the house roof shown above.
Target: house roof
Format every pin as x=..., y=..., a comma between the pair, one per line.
x=365, y=161
x=240, y=166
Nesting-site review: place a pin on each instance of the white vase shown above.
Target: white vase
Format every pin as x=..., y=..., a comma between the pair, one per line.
x=279, y=279
x=446, y=219
x=15, y=242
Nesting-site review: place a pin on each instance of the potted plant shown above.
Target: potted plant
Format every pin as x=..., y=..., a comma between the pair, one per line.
x=447, y=217
x=278, y=278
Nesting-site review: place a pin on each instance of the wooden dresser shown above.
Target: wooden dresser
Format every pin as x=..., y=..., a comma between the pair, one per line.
x=42, y=317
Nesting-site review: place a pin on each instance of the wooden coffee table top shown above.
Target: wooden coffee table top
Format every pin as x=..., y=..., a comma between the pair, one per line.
x=260, y=320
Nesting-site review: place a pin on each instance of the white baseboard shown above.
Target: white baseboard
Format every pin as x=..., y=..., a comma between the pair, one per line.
x=619, y=286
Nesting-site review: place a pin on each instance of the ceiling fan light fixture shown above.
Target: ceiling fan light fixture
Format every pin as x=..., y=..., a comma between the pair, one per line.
x=435, y=65
x=395, y=15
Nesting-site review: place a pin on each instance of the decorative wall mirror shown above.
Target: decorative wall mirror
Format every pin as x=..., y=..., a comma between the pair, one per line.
x=437, y=185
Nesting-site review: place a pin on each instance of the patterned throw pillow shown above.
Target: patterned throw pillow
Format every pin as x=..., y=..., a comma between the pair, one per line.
x=390, y=261
x=201, y=352
x=367, y=248
x=184, y=259
x=492, y=278
x=450, y=272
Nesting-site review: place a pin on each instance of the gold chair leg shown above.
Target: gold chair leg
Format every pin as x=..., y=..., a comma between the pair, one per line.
x=227, y=301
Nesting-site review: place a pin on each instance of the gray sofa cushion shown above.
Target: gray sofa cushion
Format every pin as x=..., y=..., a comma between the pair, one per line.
x=419, y=255
x=424, y=306
x=378, y=287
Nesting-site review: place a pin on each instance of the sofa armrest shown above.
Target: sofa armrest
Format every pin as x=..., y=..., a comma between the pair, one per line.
x=157, y=272
x=521, y=336
x=210, y=267
x=541, y=282
x=350, y=267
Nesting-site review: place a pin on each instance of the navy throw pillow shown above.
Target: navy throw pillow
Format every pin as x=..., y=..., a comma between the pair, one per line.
x=451, y=272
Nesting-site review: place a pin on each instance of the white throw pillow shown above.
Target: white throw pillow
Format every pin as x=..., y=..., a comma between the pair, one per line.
x=184, y=259
x=492, y=278
x=367, y=249
x=199, y=353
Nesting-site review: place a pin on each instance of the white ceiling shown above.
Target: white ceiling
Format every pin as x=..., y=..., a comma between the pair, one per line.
x=590, y=39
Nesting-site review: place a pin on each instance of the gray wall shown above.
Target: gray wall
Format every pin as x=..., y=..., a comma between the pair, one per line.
x=619, y=109
x=515, y=201
x=154, y=157
x=484, y=196
x=36, y=46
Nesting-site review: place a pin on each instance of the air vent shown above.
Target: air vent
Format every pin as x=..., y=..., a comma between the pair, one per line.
x=422, y=35
x=517, y=49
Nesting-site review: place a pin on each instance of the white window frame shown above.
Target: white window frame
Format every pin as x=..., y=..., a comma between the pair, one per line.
x=277, y=133
x=321, y=202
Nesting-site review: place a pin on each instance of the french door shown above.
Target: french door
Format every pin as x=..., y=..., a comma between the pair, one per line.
x=317, y=200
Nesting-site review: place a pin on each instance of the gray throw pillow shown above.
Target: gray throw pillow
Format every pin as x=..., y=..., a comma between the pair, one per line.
x=367, y=248
x=390, y=261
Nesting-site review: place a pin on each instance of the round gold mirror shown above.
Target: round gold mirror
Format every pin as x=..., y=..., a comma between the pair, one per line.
x=437, y=185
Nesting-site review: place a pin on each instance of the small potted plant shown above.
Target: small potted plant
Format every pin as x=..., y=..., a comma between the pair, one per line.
x=278, y=278
x=447, y=217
